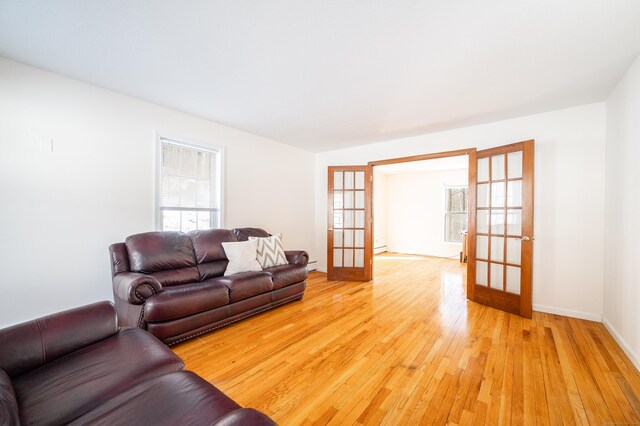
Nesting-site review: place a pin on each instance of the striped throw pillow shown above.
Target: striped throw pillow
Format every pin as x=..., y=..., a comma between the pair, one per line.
x=269, y=251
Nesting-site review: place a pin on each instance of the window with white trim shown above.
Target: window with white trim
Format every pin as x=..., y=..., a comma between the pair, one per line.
x=455, y=214
x=190, y=182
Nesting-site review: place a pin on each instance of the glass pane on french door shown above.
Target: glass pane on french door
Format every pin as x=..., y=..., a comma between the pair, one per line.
x=499, y=221
x=349, y=219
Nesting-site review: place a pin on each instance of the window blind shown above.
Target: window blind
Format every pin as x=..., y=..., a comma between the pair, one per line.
x=188, y=189
x=456, y=199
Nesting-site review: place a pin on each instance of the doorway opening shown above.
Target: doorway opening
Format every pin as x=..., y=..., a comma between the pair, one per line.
x=421, y=207
x=499, y=224
x=420, y=213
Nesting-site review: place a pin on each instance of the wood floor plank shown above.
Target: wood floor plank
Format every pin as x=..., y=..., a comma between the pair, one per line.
x=567, y=357
x=408, y=348
x=542, y=400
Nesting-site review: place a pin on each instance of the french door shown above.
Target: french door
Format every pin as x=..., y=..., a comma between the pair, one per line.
x=499, y=271
x=349, y=236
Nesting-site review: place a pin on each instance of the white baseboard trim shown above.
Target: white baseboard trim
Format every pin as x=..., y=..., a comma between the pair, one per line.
x=378, y=250
x=568, y=313
x=635, y=359
x=323, y=270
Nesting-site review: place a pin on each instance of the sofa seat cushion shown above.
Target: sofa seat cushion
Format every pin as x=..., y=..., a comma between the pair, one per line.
x=185, y=300
x=245, y=284
x=63, y=390
x=288, y=274
x=180, y=398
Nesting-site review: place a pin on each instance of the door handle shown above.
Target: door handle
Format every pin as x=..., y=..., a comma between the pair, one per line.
x=330, y=229
x=525, y=238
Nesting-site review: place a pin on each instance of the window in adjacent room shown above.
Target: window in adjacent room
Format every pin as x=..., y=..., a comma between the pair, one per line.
x=190, y=182
x=455, y=215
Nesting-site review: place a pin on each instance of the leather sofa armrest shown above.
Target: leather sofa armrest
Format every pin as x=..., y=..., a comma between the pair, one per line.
x=245, y=416
x=34, y=343
x=135, y=287
x=297, y=257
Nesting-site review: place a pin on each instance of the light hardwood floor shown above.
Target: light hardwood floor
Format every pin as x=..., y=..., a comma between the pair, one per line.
x=408, y=348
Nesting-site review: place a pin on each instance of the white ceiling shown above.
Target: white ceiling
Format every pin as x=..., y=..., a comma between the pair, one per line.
x=436, y=164
x=329, y=74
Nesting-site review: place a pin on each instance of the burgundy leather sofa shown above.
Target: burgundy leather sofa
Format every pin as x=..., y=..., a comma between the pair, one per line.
x=173, y=285
x=76, y=367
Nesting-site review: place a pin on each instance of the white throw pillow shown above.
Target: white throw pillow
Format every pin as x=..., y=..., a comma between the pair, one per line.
x=269, y=251
x=242, y=257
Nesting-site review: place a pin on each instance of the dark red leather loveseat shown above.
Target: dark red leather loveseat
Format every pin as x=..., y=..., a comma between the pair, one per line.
x=173, y=285
x=76, y=367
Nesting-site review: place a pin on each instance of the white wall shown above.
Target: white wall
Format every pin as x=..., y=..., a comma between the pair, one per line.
x=569, y=196
x=622, y=230
x=379, y=211
x=61, y=210
x=415, y=212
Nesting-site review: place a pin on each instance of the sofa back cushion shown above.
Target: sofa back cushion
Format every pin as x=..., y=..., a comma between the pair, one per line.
x=207, y=244
x=9, y=413
x=168, y=256
x=243, y=234
x=31, y=344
